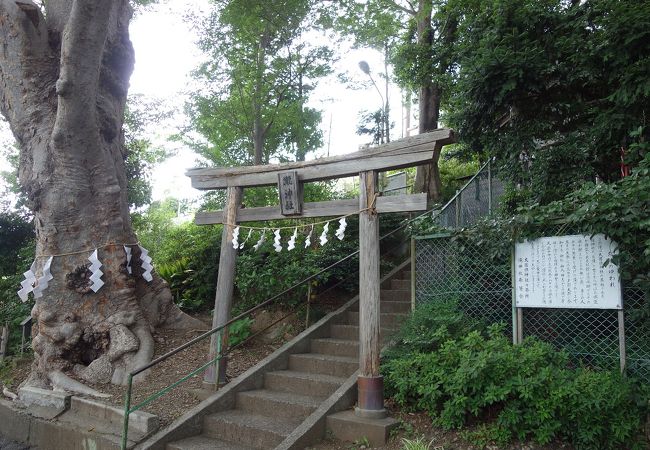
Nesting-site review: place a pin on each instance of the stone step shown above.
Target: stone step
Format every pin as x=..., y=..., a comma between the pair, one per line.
x=342, y=331
x=395, y=295
x=338, y=366
x=391, y=320
x=401, y=284
x=302, y=382
x=202, y=442
x=351, y=332
x=386, y=306
x=244, y=428
x=277, y=403
x=338, y=347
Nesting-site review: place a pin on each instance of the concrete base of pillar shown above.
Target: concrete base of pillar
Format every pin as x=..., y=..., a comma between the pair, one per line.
x=348, y=426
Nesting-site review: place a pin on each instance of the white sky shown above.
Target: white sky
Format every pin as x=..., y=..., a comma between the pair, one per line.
x=166, y=53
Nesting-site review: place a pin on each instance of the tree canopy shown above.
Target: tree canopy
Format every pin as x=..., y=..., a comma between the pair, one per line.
x=553, y=89
x=256, y=82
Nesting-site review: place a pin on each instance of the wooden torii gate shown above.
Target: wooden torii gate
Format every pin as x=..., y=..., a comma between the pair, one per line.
x=366, y=164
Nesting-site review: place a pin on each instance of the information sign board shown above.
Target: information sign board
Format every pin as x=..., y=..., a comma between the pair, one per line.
x=567, y=272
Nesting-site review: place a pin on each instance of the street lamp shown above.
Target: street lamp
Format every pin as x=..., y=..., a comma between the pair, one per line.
x=365, y=68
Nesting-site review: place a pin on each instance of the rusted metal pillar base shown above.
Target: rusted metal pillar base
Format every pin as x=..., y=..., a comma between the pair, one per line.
x=371, y=397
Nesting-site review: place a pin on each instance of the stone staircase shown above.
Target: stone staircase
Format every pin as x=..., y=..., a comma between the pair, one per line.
x=263, y=418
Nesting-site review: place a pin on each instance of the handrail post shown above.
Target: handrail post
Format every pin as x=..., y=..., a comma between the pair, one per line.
x=217, y=359
x=127, y=412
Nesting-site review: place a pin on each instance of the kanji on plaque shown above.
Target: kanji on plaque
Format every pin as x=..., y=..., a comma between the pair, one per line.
x=567, y=272
x=289, y=189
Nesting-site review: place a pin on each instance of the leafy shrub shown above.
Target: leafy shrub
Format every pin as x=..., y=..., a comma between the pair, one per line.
x=524, y=391
x=239, y=331
x=430, y=326
x=416, y=444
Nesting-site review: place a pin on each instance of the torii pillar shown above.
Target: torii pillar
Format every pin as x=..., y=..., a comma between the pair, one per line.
x=370, y=383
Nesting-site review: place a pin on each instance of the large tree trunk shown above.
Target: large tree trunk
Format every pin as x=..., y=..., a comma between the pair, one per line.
x=427, y=177
x=63, y=91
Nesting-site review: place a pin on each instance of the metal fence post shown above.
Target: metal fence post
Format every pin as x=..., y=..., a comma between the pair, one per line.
x=515, y=332
x=413, y=274
x=458, y=214
x=489, y=172
x=621, y=339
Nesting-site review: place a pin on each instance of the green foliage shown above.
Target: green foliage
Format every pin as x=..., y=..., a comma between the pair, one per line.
x=15, y=232
x=260, y=72
x=454, y=171
x=264, y=273
x=17, y=261
x=552, y=88
x=430, y=326
x=141, y=155
x=619, y=210
x=524, y=392
x=416, y=444
x=185, y=255
x=239, y=331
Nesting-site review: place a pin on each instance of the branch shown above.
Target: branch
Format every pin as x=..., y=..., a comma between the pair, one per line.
x=82, y=49
x=409, y=11
x=25, y=63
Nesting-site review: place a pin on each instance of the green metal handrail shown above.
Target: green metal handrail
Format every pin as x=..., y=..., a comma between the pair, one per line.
x=128, y=409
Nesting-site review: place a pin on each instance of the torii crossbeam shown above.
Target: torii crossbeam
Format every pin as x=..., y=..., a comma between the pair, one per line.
x=290, y=177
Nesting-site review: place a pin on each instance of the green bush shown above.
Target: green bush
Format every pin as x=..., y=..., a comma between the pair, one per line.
x=429, y=327
x=524, y=391
x=239, y=331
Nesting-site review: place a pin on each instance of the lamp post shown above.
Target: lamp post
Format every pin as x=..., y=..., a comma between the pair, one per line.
x=365, y=68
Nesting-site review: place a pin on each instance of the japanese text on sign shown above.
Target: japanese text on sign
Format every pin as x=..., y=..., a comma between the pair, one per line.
x=567, y=272
x=289, y=190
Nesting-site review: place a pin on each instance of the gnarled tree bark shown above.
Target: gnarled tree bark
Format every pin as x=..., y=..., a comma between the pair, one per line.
x=63, y=84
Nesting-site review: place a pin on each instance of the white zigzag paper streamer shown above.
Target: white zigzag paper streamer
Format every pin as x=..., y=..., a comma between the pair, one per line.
x=146, y=263
x=292, y=241
x=308, y=239
x=127, y=250
x=276, y=242
x=96, y=275
x=43, y=281
x=235, y=237
x=246, y=240
x=323, y=236
x=27, y=283
x=261, y=241
x=340, y=233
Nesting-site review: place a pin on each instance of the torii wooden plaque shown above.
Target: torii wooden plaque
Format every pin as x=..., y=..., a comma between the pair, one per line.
x=366, y=164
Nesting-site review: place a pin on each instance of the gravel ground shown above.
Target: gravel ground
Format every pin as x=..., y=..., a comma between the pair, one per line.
x=180, y=399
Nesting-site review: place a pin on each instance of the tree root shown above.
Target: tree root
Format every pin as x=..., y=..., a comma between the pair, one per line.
x=62, y=382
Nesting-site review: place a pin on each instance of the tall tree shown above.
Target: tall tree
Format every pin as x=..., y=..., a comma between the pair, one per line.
x=418, y=37
x=424, y=62
x=260, y=71
x=64, y=76
x=554, y=89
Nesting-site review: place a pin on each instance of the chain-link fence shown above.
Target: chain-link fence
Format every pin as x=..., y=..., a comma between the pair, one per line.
x=478, y=198
x=479, y=281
